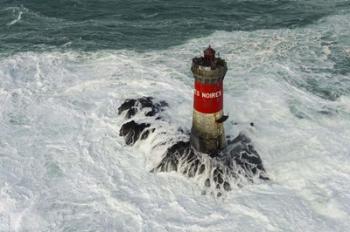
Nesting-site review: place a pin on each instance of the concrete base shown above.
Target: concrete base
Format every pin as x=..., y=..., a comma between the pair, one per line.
x=207, y=145
x=207, y=135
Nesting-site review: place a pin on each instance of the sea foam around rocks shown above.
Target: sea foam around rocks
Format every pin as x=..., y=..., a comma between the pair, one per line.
x=237, y=164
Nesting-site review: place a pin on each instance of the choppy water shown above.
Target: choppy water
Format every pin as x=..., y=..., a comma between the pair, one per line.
x=144, y=25
x=65, y=66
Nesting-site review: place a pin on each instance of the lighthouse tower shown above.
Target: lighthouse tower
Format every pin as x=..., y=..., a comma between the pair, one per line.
x=207, y=134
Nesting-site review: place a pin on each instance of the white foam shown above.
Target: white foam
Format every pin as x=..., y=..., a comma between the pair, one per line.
x=19, y=17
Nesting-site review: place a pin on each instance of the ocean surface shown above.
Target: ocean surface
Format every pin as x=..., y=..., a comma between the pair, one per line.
x=66, y=66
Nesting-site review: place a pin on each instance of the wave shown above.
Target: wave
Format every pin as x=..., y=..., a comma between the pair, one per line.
x=19, y=17
x=92, y=26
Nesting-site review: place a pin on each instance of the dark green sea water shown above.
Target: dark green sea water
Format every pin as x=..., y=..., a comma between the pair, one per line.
x=90, y=25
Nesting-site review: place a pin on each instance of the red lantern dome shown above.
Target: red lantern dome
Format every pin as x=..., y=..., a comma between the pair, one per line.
x=209, y=55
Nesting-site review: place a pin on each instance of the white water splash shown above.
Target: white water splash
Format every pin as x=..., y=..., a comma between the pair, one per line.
x=19, y=17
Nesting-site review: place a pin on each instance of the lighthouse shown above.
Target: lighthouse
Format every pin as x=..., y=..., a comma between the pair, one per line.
x=207, y=133
x=237, y=160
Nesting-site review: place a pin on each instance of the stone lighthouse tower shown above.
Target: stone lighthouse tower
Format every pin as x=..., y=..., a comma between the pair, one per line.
x=207, y=134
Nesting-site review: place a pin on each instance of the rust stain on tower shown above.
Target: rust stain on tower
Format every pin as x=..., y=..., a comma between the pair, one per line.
x=207, y=134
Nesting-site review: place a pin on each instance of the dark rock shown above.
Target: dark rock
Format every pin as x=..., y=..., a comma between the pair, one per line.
x=163, y=104
x=241, y=138
x=246, y=157
x=146, y=102
x=201, y=169
x=147, y=133
x=238, y=160
x=127, y=104
x=220, y=180
x=174, y=153
x=132, y=131
x=207, y=183
x=132, y=106
x=193, y=168
x=227, y=186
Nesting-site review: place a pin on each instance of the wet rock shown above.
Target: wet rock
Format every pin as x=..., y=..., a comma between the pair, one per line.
x=132, y=131
x=130, y=106
x=207, y=183
x=220, y=180
x=173, y=155
x=201, y=169
x=133, y=106
x=246, y=157
x=193, y=168
x=238, y=160
x=147, y=133
x=227, y=186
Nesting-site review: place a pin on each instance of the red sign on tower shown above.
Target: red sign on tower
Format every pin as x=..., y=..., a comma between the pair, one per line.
x=208, y=98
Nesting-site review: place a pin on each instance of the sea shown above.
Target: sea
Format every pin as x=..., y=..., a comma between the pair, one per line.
x=67, y=65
